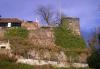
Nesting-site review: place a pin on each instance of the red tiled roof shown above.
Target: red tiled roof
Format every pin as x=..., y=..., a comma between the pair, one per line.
x=10, y=20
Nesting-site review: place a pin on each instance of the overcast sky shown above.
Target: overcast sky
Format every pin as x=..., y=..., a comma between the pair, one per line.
x=87, y=10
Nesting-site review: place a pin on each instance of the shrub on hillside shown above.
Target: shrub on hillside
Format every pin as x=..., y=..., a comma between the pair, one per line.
x=94, y=60
x=16, y=32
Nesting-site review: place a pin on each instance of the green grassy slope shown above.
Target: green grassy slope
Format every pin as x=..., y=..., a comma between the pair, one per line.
x=66, y=39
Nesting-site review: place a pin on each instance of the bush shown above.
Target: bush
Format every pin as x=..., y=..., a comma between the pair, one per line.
x=94, y=60
x=16, y=32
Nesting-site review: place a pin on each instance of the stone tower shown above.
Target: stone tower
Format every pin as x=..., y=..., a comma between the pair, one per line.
x=73, y=24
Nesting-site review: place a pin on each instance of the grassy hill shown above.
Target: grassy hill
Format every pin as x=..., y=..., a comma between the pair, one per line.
x=66, y=39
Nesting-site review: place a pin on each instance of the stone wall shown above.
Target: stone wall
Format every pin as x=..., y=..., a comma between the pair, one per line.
x=42, y=37
x=30, y=25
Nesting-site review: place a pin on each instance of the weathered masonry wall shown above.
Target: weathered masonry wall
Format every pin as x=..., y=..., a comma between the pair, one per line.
x=42, y=37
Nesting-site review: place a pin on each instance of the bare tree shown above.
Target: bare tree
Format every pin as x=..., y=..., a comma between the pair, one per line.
x=45, y=13
x=49, y=16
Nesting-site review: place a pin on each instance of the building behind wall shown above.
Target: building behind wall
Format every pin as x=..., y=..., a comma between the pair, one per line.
x=10, y=22
x=15, y=22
